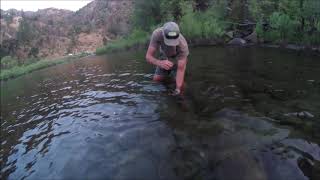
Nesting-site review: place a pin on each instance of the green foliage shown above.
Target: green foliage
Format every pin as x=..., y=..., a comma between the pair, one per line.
x=262, y=9
x=137, y=37
x=201, y=24
x=77, y=29
x=237, y=14
x=16, y=70
x=190, y=25
x=259, y=29
x=280, y=21
x=33, y=52
x=172, y=9
x=3, y=52
x=313, y=39
x=282, y=27
x=255, y=9
x=219, y=9
x=146, y=14
x=202, y=5
x=318, y=25
x=25, y=32
x=150, y=14
x=311, y=9
x=30, y=61
x=292, y=21
x=8, y=62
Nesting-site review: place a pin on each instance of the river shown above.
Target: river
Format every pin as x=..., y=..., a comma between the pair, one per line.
x=247, y=113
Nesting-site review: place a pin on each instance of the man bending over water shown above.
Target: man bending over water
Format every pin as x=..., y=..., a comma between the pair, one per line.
x=174, y=51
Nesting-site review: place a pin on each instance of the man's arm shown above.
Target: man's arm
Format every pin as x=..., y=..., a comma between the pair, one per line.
x=182, y=62
x=150, y=56
x=165, y=64
x=180, y=73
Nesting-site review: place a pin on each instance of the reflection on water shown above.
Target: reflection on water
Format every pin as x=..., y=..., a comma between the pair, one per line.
x=247, y=113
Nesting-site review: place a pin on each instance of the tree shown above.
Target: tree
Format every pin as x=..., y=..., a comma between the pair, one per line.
x=33, y=52
x=173, y=8
x=26, y=32
x=147, y=13
x=201, y=5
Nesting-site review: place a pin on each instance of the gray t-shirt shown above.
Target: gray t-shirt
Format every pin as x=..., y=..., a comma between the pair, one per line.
x=179, y=52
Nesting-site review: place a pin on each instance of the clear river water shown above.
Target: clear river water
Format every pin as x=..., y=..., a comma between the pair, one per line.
x=247, y=113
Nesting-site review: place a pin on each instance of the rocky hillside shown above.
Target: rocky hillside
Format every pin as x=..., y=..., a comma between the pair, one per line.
x=55, y=32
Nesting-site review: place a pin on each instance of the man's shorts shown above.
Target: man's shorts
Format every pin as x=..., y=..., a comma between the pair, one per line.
x=166, y=73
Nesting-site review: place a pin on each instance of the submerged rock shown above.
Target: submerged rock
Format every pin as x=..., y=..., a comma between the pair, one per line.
x=302, y=114
x=309, y=169
x=237, y=42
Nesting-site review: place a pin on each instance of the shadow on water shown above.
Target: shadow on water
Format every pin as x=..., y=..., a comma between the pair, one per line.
x=247, y=113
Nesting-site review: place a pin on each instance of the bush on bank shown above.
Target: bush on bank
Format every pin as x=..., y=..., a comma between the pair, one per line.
x=202, y=25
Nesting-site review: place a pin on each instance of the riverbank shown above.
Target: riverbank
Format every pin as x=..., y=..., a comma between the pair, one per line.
x=215, y=24
x=16, y=71
x=139, y=42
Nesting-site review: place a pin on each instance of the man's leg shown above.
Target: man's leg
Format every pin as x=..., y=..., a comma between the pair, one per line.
x=160, y=74
x=158, y=78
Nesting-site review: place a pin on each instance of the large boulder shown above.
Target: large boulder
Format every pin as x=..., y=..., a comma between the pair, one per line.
x=229, y=34
x=252, y=38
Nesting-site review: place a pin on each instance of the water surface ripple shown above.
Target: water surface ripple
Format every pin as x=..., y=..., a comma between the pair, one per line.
x=247, y=113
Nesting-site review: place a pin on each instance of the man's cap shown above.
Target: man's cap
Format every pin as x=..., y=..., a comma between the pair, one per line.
x=171, y=34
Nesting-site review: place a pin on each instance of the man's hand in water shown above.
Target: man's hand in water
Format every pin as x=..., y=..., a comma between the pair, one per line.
x=165, y=64
x=176, y=92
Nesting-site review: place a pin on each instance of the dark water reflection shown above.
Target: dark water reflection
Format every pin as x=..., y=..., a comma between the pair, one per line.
x=247, y=113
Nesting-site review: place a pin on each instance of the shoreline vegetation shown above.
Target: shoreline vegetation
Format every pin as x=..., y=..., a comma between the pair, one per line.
x=140, y=43
x=272, y=23
x=12, y=69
